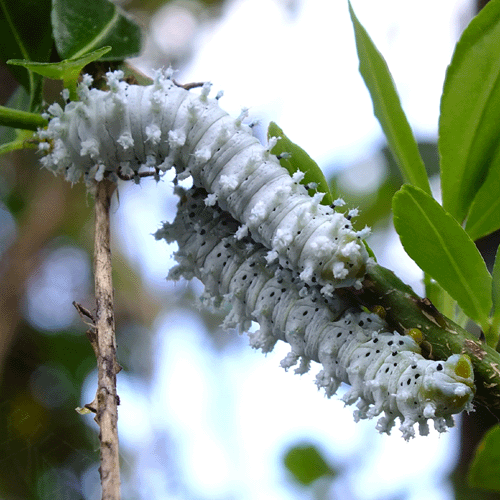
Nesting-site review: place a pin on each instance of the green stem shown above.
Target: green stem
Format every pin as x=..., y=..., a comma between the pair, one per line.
x=442, y=337
x=21, y=119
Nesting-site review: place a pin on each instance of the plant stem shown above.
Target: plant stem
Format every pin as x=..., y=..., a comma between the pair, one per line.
x=442, y=337
x=21, y=119
x=107, y=399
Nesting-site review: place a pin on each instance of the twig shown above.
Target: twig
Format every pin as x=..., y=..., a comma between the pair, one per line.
x=189, y=86
x=125, y=177
x=84, y=313
x=107, y=399
x=91, y=334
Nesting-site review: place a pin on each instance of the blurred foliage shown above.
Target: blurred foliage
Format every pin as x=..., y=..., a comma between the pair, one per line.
x=153, y=5
x=74, y=36
x=484, y=468
x=26, y=34
x=306, y=464
x=42, y=434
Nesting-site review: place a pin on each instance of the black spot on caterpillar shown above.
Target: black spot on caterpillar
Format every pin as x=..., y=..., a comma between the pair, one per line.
x=131, y=129
x=385, y=370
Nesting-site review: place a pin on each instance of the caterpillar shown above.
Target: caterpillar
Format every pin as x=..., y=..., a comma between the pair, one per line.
x=385, y=370
x=131, y=128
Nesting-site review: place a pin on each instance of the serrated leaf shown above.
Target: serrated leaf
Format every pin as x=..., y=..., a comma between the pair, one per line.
x=484, y=215
x=306, y=464
x=68, y=70
x=483, y=472
x=387, y=108
x=26, y=34
x=470, y=106
x=442, y=248
x=80, y=26
x=299, y=160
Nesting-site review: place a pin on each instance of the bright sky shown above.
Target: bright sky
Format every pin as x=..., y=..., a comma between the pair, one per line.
x=228, y=420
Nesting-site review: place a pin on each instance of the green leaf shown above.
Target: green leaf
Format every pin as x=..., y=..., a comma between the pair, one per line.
x=470, y=106
x=484, y=215
x=483, y=472
x=387, y=108
x=82, y=26
x=494, y=330
x=68, y=70
x=299, y=160
x=306, y=464
x=441, y=300
x=26, y=34
x=441, y=247
x=496, y=283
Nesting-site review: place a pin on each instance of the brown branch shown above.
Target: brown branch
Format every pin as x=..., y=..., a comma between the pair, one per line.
x=107, y=398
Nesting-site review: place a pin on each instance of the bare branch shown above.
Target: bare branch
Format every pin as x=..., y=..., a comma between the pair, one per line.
x=107, y=399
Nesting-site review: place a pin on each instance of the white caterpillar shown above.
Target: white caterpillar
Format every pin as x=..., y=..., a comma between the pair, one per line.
x=386, y=371
x=130, y=127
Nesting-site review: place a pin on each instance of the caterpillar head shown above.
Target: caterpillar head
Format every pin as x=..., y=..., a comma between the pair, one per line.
x=448, y=386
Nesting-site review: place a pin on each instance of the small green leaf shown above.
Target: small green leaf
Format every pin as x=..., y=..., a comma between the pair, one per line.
x=483, y=472
x=81, y=26
x=299, y=160
x=484, y=215
x=306, y=464
x=470, y=106
x=441, y=247
x=68, y=70
x=387, y=108
x=26, y=34
x=370, y=251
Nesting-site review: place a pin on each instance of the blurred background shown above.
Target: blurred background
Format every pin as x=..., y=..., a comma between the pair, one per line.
x=202, y=415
